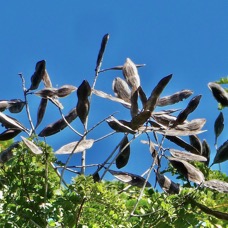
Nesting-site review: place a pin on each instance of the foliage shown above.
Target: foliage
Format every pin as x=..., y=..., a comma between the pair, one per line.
x=32, y=186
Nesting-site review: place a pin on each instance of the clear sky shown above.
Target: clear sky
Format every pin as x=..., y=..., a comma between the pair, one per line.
x=186, y=38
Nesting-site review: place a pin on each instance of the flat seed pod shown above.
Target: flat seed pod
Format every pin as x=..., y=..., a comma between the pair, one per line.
x=218, y=126
x=130, y=73
x=76, y=147
x=41, y=111
x=9, y=134
x=120, y=125
x=186, y=169
x=84, y=90
x=186, y=156
x=192, y=105
x=138, y=120
x=180, y=142
x=219, y=93
x=129, y=178
x=59, y=125
x=195, y=142
x=142, y=96
x=38, y=74
x=4, y=104
x=222, y=153
x=16, y=105
x=56, y=102
x=152, y=100
x=174, y=98
x=65, y=90
x=134, y=103
x=206, y=152
x=167, y=185
x=121, y=89
x=164, y=119
x=33, y=147
x=46, y=79
x=217, y=185
x=123, y=157
x=83, y=107
x=47, y=92
x=7, y=154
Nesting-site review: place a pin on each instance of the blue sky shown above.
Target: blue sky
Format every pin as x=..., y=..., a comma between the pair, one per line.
x=186, y=38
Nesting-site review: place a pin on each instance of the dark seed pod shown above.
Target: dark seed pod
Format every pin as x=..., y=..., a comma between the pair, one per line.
x=174, y=98
x=41, y=111
x=16, y=105
x=7, y=154
x=195, y=142
x=130, y=73
x=218, y=126
x=219, y=93
x=142, y=96
x=47, y=80
x=84, y=90
x=206, y=152
x=9, y=134
x=222, y=153
x=47, y=92
x=4, y=104
x=138, y=120
x=38, y=74
x=152, y=100
x=134, y=103
x=83, y=110
x=123, y=157
x=65, y=90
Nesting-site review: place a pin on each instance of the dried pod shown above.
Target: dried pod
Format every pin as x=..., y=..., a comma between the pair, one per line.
x=174, y=98
x=16, y=105
x=59, y=125
x=206, y=152
x=33, y=147
x=192, y=105
x=101, y=51
x=195, y=142
x=164, y=119
x=83, y=110
x=142, y=96
x=219, y=93
x=4, y=104
x=187, y=170
x=138, y=120
x=218, y=126
x=65, y=90
x=124, y=155
x=134, y=103
x=120, y=67
x=56, y=102
x=38, y=74
x=129, y=178
x=222, y=153
x=121, y=89
x=47, y=80
x=9, y=134
x=7, y=154
x=166, y=184
x=41, y=111
x=84, y=90
x=75, y=147
x=217, y=185
x=152, y=100
x=47, y=92
x=130, y=73
x=187, y=156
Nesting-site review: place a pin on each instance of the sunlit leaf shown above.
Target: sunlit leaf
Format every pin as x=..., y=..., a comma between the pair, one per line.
x=33, y=147
x=123, y=157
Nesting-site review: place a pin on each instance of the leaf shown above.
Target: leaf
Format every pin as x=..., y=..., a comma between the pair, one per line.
x=9, y=134
x=186, y=156
x=75, y=147
x=59, y=125
x=153, y=99
x=16, y=105
x=41, y=111
x=7, y=154
x=34, y=148
x=222, y=153
x=218, y=126
x=124, y=155
x=138, y=120
x=166, y=184
x=130, y=178
x=219, y=93
x=206, y=151
x=187, y=170
x=65, y=90
x=195, y=142
x=217, y=185
x=134, y=103
x=101, y=51
x=174, y=98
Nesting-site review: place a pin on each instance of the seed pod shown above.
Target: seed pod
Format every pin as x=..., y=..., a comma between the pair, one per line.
x=166, y=184
x=165, y=119
x=56, y=102
x=219, y=93
x=187, y=170
x=192, y=105
x=142, y=96
x=84, y=90
x=121, y=89
x=83, y=110
x=138, y=120
x=152, y=100
x=16, y=105
x=4, y=104
x=134, y=103
x=38, y=74
x=174, y=98
x=9, y=134
x=124, y=155
x=222, y=153
x=32, y=146
x=217, y=185
x=47, y=80
x=41, y=111
x=65, y=90
x=218, y=126
x=130, y=178
x=130, y=73
x=7, y=154
x=206, y=152
x=47, y=92
x=195, y=142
